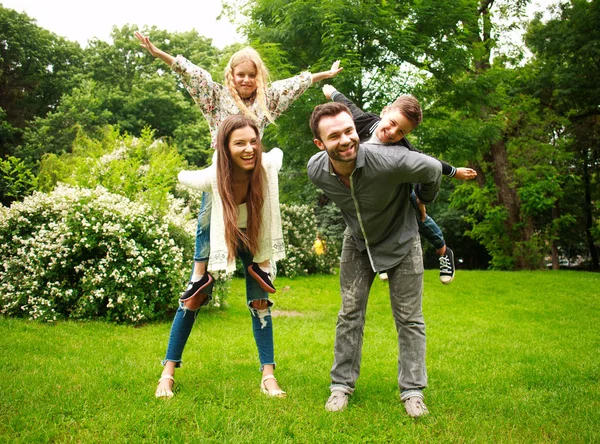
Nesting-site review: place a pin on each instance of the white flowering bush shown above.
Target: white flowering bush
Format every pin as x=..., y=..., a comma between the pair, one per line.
x=142, y=169
x=82, y=254
x=299, y=234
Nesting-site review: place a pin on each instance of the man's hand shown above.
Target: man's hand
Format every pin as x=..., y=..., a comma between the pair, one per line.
x=328, y=90
x=465, y=174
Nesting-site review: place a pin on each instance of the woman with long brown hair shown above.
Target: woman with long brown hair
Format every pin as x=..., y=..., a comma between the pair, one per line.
x=245, y=223
x=246, y=90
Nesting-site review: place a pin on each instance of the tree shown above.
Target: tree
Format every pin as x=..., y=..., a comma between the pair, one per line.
x=125, y=87
x=567, y=57
x=16, y=180
x=445, y=53
x=36, y=68
x=141, y=91
x=81, y=110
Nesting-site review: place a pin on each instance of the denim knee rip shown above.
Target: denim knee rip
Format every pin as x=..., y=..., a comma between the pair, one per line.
x=261, y=314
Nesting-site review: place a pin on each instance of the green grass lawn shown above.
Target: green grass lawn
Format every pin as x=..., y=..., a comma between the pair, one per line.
x=512, y=357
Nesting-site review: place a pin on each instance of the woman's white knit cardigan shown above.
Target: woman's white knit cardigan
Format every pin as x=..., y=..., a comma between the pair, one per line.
x=270, y=242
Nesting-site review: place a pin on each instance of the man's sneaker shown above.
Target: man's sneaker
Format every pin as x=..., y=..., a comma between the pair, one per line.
x=415, y=407
x=263, y=278
x=447, y=267
x=195, y=288
x=338, y=401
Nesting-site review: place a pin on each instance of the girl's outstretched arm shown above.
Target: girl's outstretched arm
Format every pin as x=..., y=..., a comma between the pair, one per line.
x=146, y=43
x=334, y=71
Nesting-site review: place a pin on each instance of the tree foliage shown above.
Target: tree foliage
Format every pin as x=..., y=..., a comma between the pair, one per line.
x=480, y=106
x=529, y=126
x=123, y=86
x=567, y=62
x=16, y=180
x=36, y=68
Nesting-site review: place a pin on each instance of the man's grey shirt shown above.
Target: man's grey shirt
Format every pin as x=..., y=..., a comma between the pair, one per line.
x=376, y=207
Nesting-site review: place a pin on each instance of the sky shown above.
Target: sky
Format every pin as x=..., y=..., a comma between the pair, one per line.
x=80, y=20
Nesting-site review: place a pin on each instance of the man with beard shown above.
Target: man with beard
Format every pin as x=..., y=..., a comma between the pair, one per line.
x=371, y=185
x=391, y=127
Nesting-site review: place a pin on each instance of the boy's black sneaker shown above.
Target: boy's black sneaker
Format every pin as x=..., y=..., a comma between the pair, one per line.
x=447, y=267
x=263, y=279
x=195, y=288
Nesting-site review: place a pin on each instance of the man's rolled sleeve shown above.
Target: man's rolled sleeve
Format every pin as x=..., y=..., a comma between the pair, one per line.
x=429, y=172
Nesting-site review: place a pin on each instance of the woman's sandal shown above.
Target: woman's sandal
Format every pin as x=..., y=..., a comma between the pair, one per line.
x=274, y=393
x=164, y=393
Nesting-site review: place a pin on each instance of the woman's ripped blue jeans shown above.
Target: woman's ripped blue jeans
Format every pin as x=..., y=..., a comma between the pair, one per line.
x=262, y=323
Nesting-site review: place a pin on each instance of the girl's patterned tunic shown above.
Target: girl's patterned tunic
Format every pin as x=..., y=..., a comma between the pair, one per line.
x=216, y=103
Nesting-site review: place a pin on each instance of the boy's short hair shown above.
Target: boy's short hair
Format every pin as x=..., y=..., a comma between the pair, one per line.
x=328, y=109
x=409, y=107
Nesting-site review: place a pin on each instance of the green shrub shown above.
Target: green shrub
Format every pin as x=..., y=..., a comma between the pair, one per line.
x=299, y=233
x=16, y=180
x=84, y=254
x=141, y=169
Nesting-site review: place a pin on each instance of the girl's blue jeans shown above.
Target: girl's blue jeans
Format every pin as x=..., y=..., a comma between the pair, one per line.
x=262, y=323
x=428, y=228
x=202, y=250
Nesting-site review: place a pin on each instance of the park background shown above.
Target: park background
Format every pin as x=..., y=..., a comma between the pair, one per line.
x=94, y=226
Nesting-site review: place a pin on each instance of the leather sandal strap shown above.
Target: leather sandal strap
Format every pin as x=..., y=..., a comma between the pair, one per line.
x=163, y=377
x=267, y=377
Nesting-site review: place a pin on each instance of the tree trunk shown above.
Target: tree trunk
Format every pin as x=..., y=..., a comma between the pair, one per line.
x=507, y=197
x=555, y=215
x=589, y=217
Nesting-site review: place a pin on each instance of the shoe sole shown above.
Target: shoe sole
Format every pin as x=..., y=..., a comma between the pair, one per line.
x=210, y=281
x=262, y=283
x=447, y=282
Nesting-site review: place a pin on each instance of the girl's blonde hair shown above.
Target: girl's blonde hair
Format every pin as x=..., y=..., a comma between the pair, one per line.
x=234, y=236
x=249, y=54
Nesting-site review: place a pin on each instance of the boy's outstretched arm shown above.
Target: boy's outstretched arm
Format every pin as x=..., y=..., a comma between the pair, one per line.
x=465, y=173
x=363, y=121
x=364, y=124
x=333, y=94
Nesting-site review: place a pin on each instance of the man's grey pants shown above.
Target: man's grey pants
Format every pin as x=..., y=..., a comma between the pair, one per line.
x=406, y=291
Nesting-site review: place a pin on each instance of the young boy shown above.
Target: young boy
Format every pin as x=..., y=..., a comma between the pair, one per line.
x=392, y=127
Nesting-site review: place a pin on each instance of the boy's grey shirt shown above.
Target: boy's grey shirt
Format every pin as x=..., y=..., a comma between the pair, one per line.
x=376, y=207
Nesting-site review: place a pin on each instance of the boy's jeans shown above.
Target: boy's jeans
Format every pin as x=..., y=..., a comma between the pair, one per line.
x=428, y=228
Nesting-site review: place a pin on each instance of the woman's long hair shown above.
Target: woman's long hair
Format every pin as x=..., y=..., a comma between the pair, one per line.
x=234, y=236
x=262, y=79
